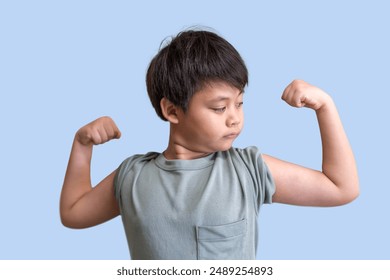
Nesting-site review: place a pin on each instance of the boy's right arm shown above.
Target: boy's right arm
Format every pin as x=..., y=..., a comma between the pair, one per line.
x=81, y=205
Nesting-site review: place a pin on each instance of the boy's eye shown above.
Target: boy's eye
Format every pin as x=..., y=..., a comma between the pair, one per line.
x=239, y=105
x=220, y=110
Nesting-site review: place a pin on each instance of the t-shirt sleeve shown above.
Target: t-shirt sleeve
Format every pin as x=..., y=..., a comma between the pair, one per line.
x=267, y=180
x=128, y=170
x=264, y=186
x=120, y=176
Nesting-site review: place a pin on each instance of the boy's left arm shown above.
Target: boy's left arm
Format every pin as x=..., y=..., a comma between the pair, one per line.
x=338, y=182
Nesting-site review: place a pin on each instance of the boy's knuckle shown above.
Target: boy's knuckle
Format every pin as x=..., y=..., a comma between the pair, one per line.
x=107, y=118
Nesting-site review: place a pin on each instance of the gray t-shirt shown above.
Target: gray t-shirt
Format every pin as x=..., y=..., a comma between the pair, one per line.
x=204, y=208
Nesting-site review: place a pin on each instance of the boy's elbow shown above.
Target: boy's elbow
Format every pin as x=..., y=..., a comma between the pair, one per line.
x=66, y=221
x=349, y=196
x=69, y=221
x=355, y=190
x=72, y=224
x=65, y=216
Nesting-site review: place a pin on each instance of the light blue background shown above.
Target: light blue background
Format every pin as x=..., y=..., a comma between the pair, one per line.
x=65, y=63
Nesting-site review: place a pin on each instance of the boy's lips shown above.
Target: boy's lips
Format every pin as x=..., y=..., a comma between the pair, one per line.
x=231, y=135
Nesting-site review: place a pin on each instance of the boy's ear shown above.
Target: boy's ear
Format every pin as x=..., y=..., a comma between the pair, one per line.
x=169, y=110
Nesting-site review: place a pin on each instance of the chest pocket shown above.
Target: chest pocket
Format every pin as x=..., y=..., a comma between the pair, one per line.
x=221, y=242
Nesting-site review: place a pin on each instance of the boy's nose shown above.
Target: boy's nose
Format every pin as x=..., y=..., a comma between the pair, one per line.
x=233, y=120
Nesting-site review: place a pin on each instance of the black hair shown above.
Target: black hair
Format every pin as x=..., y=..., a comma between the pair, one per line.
x=189, y=62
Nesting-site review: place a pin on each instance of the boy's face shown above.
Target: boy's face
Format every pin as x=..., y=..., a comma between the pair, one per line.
x=213, y=120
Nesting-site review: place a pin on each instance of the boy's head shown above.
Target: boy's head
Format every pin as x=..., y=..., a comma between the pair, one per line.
x=188, y=63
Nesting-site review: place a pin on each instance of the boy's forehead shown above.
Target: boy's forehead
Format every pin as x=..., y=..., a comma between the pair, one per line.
x=218, y=91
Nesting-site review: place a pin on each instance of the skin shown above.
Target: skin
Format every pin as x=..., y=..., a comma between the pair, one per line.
x=212, y=122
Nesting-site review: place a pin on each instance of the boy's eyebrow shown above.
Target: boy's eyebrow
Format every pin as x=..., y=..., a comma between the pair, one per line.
x=222, y=97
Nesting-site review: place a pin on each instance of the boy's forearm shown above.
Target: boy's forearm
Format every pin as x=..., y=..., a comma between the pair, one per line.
x=338, y=162
x=77, y=180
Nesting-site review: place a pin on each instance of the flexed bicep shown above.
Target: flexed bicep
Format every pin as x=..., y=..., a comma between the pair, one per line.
x=298, y=185
x=94, y=207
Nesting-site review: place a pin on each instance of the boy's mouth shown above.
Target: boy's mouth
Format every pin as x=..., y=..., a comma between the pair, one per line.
x=231, y=135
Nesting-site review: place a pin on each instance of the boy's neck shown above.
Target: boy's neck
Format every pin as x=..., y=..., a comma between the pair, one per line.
x=175, y=151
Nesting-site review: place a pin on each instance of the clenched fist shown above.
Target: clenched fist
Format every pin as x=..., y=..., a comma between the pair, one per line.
x=98, y=132
x=301, y=94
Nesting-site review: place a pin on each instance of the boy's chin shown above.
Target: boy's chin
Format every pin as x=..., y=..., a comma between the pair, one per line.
x=224, y=148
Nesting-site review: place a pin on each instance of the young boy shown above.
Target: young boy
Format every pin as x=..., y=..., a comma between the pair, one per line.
x=200, y=198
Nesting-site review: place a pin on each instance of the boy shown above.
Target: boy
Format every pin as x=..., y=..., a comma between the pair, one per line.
x=200, y=198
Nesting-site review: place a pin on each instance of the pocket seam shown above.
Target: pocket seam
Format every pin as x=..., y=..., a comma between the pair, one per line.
x=221, y=239
x=242, y=224
x=239, y=223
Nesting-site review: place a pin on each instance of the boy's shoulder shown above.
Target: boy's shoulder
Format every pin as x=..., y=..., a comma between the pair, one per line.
x=135, y=160
x=250, y=150
x=139, y=158
x=249, y=155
